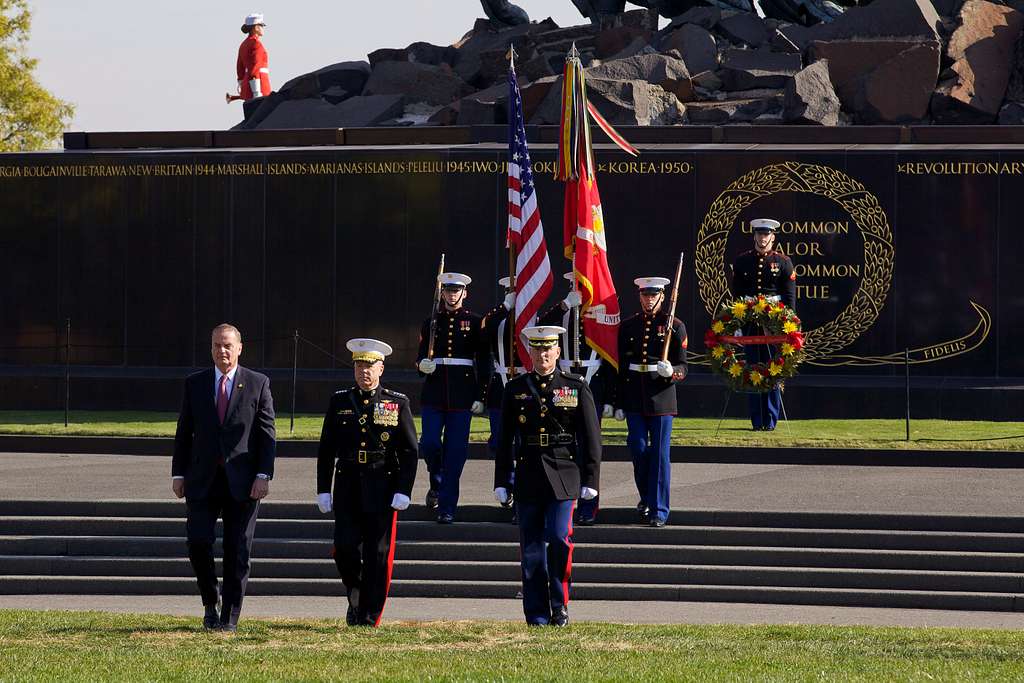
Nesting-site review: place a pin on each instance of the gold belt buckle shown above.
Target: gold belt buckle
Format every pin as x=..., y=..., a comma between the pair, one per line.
x=362, y=457
x=544, y=439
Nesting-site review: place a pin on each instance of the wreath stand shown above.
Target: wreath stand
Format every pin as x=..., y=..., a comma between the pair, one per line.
x=729, y=391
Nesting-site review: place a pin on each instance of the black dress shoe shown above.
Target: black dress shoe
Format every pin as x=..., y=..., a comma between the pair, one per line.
x=229, y=618
x=585, y=521
x=642, y=511
x=211, y=620
x=445, y=518
x=351, y=617
x=560, y=617
x=431, y=499
x=657, y=522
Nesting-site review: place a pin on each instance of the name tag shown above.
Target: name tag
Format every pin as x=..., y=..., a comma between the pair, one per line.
x=565, y=398
x=386, y=414
x=344, y=411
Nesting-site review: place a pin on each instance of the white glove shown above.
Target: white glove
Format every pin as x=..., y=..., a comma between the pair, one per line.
x=620, y=415
x=324, y=502
x=427, y=366
x=400, y=501
x=501, y=494
x=664, y=368
x=477, y=408
x=239, y=88
x=573, y=298
x=254, y=85
x=607, y=411
x=587, y=493
x=510, y=301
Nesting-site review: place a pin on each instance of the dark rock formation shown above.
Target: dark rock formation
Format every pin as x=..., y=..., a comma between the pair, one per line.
x=982, y=51
x=810, y=97
x=437, y=85
x=748, y=69
x=696, y=46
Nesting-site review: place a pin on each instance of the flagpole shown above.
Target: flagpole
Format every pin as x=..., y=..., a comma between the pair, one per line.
x=510, y=321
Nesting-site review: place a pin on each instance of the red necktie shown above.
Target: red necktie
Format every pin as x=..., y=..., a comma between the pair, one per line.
x=222, y=398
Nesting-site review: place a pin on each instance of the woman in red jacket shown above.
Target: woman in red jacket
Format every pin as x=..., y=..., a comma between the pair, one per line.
x=253, y=65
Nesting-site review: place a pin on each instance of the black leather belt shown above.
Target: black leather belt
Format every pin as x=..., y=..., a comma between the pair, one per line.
x=550, y=440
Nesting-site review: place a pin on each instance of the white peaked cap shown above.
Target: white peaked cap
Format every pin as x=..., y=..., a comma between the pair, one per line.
x=454, y=279
x=504, y=282
x=762, y=224
x=543, y=335
x=651, y=282
x=368, y=349
x=253, y=19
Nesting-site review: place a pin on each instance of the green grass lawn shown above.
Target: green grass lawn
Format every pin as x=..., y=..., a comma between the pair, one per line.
x=69, y=646
x=925, y=434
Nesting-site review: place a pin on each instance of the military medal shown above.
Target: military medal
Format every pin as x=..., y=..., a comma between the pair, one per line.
x=386, y=414
x=522, y=419
x=565, y=398
x=384, y=436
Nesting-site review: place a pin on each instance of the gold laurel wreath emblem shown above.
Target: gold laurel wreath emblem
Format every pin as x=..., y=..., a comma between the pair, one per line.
x=862, y=207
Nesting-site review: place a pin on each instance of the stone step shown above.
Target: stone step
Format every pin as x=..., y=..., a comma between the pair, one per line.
x=493, y=513
x=853, y=597
x=583, y=573
x=596, y=553
x=492, y=532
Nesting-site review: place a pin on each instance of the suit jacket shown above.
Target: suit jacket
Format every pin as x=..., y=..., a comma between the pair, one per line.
x=246, y=441
x=555, y=470
x=382, y=420
x=641, y=341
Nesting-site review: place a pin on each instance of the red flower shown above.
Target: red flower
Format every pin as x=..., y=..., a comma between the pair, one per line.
x=726, y=318
x=796, y=340
x=710, y=339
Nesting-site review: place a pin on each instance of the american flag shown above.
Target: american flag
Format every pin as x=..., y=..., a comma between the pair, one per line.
x=525, y=231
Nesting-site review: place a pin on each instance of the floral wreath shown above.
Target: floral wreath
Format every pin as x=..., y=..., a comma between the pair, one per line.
x=781, y=331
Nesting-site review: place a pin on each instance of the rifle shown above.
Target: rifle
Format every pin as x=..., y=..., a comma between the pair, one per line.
x=433, y=313
x=672, y=308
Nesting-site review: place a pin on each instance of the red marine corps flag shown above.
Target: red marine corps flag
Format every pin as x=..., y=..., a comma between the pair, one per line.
x=583, y=226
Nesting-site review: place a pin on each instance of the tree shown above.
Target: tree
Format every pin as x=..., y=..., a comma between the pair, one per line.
x=30, y=117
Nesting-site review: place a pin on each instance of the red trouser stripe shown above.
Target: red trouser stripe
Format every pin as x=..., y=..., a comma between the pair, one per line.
x=391, y=565
x=568, y=563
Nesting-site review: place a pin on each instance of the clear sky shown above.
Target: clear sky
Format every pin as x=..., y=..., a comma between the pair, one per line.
x=147, y=65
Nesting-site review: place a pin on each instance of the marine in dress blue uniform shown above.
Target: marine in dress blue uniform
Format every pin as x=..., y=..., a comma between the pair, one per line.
x=646, y=395
x=368, y=450
x=456, y=379
x=764, y=270
x=552, y=415
x=599, y=374
x=495, y=331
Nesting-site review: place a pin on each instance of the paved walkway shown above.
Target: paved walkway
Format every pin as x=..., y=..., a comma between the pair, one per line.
x=814, y=488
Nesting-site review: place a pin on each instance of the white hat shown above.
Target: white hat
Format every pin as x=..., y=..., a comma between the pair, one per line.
x=369, y=350
x=651, y=282
x=543, y=336
x=254, y=19
x=570, y=276
x=454, y=279
x=764, y=225
x=505, y=282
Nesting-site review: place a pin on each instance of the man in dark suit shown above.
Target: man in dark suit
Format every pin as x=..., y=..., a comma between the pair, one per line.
x=368, y=451
x=550, y=415
x=223, y=463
